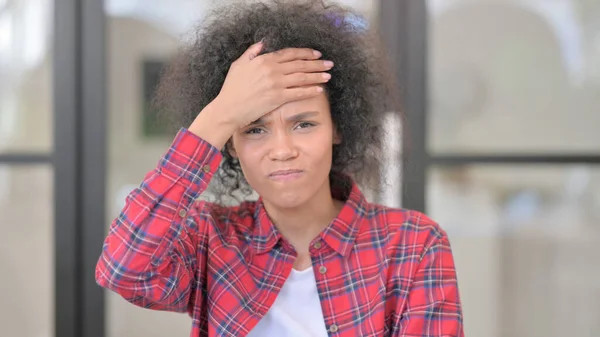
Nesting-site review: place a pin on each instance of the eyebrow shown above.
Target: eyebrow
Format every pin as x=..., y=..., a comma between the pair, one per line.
x=292, y=118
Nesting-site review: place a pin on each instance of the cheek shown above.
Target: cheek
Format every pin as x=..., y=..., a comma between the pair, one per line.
x=250, y=169
x=248, y=154
x=320, y=153
x=318, y=145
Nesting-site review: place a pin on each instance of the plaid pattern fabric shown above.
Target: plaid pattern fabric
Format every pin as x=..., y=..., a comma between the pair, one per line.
x=379, y=271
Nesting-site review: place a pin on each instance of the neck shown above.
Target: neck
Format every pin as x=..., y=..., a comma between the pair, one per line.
x=300, y=225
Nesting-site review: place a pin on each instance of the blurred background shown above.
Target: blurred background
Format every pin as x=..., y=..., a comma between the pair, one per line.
x=500, y=145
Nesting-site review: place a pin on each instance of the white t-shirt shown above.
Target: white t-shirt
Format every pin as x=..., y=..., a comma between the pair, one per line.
x=296, y=311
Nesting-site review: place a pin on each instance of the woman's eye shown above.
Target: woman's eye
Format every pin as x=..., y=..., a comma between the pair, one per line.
x=254, y=131
x=304, y=125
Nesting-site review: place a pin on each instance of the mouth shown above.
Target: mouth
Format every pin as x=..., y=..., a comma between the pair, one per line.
x=285, y=175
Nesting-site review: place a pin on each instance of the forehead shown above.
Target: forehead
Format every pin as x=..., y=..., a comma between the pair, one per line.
x=317, y=103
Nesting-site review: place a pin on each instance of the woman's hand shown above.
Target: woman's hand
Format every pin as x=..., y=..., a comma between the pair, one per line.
x=256, y=85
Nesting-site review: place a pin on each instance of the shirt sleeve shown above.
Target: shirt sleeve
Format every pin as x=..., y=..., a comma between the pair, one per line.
x=433, y=307
x=154, y=253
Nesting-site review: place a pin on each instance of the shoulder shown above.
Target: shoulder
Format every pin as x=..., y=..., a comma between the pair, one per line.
x=405, y=229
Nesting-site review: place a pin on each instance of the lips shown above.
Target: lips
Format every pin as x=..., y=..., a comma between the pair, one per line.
x=286, y=175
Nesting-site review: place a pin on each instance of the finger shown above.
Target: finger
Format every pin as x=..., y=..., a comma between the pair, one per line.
x=252, y=51
x=295, y=94
x=291, y=54
x=303, y=66
x=305, y=79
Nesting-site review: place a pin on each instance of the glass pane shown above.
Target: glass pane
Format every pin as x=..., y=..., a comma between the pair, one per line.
x=26, y=73
x=530, y=86
x=26, y=251
x=141, y=38
x=525, y=242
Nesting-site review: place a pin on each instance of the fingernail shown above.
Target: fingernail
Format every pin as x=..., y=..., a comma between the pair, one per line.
x=328, y=63
x=319, y=89
x=317, y=53
x=326, y=76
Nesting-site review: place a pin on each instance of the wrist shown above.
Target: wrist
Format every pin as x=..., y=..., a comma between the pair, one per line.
x=221, y=113
x=212, y=124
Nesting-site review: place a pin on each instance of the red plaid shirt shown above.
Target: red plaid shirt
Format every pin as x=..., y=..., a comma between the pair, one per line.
x=379, y=271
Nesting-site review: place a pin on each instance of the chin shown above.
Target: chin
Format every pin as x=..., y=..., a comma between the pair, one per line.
x=286, y=198
x=288, y=194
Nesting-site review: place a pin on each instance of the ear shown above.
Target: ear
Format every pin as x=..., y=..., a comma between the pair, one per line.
x=231, y=149
x=337, y=139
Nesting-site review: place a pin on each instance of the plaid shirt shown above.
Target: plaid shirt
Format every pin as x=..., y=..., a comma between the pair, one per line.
x=379, y=271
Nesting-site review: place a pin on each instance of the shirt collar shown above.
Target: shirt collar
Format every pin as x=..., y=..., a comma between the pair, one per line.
x=340, y=234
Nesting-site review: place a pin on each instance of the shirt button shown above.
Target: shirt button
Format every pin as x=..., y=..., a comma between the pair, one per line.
x=317, y=244
x=182, y=213
x=333, y=328
x=322, y=269
x=206, y=168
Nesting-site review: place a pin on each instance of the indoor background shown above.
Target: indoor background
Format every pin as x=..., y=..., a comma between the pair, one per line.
x=502, y=101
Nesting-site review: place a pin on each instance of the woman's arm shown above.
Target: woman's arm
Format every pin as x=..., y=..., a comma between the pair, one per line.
x=157, y=244
x=424, y=279
x=433, y=307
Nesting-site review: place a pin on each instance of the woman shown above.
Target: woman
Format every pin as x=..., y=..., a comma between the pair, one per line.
x=289, y=96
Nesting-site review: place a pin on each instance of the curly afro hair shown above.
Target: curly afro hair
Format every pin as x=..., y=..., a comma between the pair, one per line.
x=360, y=92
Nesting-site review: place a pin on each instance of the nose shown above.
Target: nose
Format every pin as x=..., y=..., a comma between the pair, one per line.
x=282, y=147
